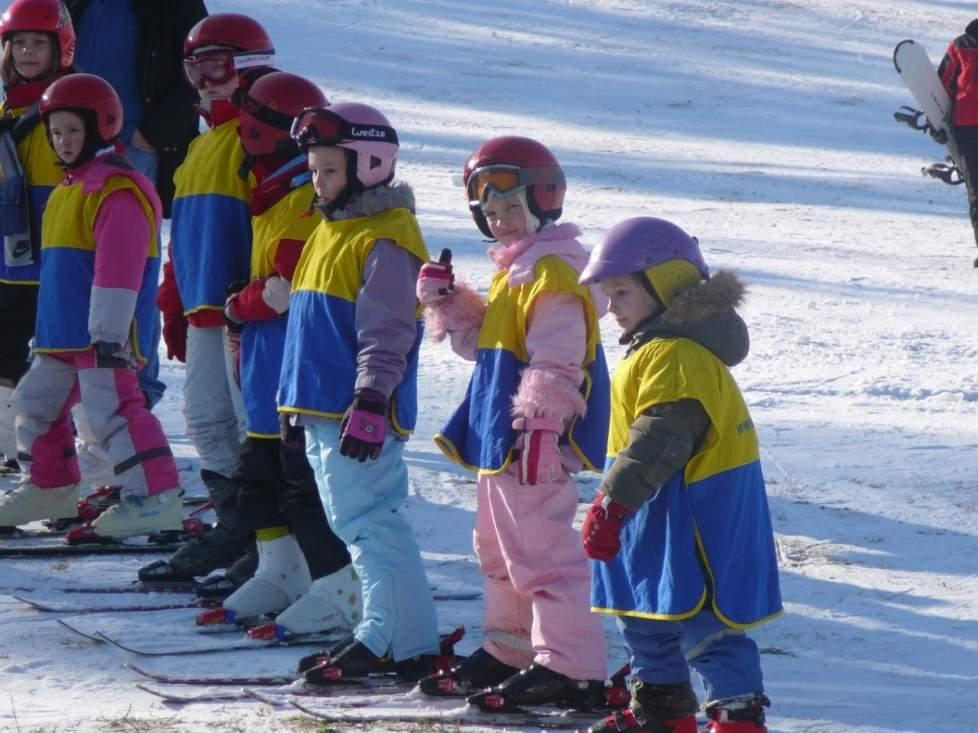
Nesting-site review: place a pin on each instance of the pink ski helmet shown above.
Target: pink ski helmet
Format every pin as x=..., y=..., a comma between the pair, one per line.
x=359, y=128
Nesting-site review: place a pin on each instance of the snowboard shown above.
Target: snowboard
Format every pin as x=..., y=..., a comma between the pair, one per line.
x=918, y=73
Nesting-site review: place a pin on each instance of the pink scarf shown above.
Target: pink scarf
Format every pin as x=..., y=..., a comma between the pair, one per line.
x=520, y=257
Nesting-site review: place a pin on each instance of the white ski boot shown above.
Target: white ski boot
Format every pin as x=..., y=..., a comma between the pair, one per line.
x=136, y=515
x=29, y=502
x=281, y=579
x=333, y=602
x=8, y=436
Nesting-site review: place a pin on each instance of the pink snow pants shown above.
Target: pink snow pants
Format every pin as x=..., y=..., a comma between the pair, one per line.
x=117, y=414
x=537, y=578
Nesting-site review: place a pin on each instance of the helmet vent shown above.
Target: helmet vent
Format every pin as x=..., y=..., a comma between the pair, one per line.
x=375, y=162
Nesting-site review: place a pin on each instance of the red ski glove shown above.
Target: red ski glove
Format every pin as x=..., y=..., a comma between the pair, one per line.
x=175, y=336
x=435, y=280
x=601, y=530
x=539, y=455
x=364, y=426
x=174, y=321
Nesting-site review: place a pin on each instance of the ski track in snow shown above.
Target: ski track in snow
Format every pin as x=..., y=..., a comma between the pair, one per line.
x=764, y=127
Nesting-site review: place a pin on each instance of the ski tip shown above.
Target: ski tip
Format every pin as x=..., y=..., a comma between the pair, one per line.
x=896, y=50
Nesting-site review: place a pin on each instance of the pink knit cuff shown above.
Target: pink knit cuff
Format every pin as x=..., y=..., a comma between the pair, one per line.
x=543, y=393
x=462, y=309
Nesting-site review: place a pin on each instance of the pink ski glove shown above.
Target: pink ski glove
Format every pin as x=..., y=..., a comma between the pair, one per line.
x=539, y=459
x=436, y=280
x=364, y=426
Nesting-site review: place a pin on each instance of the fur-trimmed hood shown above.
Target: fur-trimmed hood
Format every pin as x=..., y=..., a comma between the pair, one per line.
x=704, y=313
x=377, y=200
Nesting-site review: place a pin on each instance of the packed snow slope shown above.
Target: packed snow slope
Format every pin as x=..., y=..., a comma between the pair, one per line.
x=763, y=127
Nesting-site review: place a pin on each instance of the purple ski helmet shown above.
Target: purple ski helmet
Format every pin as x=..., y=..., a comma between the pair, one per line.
x=668, y=256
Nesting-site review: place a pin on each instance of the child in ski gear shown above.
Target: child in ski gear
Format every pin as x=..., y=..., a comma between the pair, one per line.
x=304, y=568
x=38, y=47
x=680, y=526
x=535, y=412
x=99, y=275
x=957, y=73
x=210, y=248
x=350, y=375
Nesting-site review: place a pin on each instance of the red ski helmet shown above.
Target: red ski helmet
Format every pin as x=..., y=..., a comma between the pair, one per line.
x=233, y=30
x=268, y=109
x=42, y=16
x=86, y=93
x=223, y=44
x=510, y=164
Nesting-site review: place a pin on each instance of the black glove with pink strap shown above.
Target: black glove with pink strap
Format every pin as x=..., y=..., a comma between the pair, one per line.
x=364, y=426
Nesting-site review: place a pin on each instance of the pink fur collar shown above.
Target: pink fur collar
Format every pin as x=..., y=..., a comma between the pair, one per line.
x=560, y=239
x=520, y=257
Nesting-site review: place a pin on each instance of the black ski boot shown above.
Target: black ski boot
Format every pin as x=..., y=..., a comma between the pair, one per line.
x=538, y=685
x=475, y=673
x=323, y=656
x=198, y=556
x=203, y=554
x=355, y=661
x=220, y=586
x=744, y=714
x=654, y=709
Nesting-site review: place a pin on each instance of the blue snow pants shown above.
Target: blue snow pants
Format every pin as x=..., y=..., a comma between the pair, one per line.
x=362, y=503
x=662, y=652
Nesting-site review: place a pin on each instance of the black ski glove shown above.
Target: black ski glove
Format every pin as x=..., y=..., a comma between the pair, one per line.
x=364, y=426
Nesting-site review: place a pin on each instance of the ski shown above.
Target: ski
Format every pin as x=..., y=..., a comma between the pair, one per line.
x=79, y=604
x=184, y=693
x=51, y=606
x=912, y=63
x=171, y=624
x=426, y=712
x=208, y=643
x=28, y=549
x=136, y=586
x=214, y=680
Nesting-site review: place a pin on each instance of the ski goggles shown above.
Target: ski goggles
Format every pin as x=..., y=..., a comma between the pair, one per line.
x=220, y=66
x=321, y=126
x=258, y=111
x=504, y=180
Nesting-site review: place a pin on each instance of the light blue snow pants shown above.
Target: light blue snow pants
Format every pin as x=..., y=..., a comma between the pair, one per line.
x=362, y=503
x=663, y=652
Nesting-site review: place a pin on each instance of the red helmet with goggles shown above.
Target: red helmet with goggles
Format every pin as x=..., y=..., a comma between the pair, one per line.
x=41, y=16
x=508, y=165
x=268, y=109
x=223, y=44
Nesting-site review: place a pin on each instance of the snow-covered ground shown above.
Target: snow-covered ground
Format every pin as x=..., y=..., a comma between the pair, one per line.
x=764, y=127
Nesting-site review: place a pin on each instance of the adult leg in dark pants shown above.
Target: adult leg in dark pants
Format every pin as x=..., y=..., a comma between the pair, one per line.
x=18, y=313
x=967, y=139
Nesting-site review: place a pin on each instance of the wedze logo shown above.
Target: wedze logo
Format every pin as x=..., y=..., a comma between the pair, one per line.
x=366, y=132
